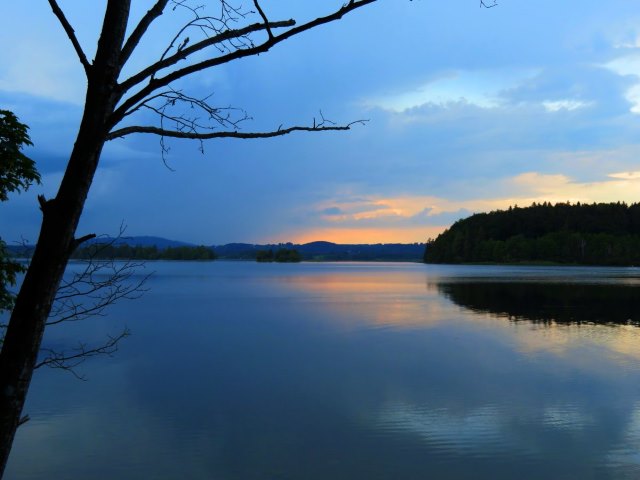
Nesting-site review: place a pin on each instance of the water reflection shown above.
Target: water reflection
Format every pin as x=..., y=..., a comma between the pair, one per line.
x=563, y=303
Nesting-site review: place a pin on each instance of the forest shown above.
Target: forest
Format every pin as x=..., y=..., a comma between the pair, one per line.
x=139, y=252
x=579, y=234
x=282, y=255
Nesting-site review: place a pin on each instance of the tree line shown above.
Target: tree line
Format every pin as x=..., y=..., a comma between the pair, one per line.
x=282, y=255
x=139, y=252
x=548, y=302
x=585, y=234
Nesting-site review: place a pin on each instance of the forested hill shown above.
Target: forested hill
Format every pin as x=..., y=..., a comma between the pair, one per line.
x=589, y=234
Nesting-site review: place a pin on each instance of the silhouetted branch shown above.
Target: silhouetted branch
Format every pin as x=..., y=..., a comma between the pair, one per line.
x=142, y=27
x=183, y=53
x=486, y=5
x=162, y=104
x=235, y=134
x=69, y=359
x=209, y=25
x=71, y=34
x=87, y=293
x=79, y=241
x=99, y=284
x=161, y=82
x=264, y=17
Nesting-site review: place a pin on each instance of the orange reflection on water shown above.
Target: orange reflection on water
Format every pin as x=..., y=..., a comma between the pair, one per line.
x=392, y=299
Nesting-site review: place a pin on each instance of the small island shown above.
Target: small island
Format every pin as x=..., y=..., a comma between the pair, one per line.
x=564, y=233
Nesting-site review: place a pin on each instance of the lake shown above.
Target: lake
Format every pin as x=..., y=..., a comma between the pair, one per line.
x=239, y=370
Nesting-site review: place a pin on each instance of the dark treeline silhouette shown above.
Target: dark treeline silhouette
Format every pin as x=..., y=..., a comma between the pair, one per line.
x=328, y=252
x=588, y=234
x=314, y=251
x=283, y=255
x=549, y=302
x=138, y=252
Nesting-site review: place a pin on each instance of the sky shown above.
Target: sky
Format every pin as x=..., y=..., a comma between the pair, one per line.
x=469, y=110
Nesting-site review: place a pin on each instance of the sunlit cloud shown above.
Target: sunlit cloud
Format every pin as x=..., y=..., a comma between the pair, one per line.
x=479, y=88
x=628, y=65
x=628, y=41
x=522, y=189
x=415, y=218
x=560, y=188
x=388, y=208
x=568, y=105
x=626, y=175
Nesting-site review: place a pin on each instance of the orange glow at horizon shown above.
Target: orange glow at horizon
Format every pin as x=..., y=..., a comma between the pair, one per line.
x=362, y=235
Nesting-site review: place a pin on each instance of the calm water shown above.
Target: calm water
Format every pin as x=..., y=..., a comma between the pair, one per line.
x=350, y=371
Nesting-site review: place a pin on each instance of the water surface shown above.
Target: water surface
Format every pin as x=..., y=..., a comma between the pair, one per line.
x=238, y=370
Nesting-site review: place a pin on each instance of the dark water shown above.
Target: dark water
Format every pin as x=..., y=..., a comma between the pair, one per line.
x=350, y=371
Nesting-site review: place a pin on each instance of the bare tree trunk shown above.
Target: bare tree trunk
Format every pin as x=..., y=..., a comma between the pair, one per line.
x=61, y=214
x=57, y=239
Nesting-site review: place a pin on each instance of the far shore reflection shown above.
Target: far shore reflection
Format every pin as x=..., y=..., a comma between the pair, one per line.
x=562, y=303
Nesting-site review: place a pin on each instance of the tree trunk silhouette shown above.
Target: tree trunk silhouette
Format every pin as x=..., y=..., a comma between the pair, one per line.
x=108, y=101
x=56, y=242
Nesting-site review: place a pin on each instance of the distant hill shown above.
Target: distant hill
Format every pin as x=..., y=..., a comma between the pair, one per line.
x=588, y=234
x=314, y=251
x=142, y=241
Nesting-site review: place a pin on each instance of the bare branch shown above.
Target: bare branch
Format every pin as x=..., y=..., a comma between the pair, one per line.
x=78, y=241
x=485, y=5
x=88, y=293
x=209, y=26
x=69, y=359
x=222, y=116
x=161, y=82
x=264, y=17
x=98, y=285
x=142, y=27
x=71, y=34
x=183, y=53
x=235, y=134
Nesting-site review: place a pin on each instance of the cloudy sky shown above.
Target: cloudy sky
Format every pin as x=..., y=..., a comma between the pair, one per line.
x=469, y=110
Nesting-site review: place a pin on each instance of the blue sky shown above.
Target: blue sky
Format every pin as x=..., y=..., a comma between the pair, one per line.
x=469, y=110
